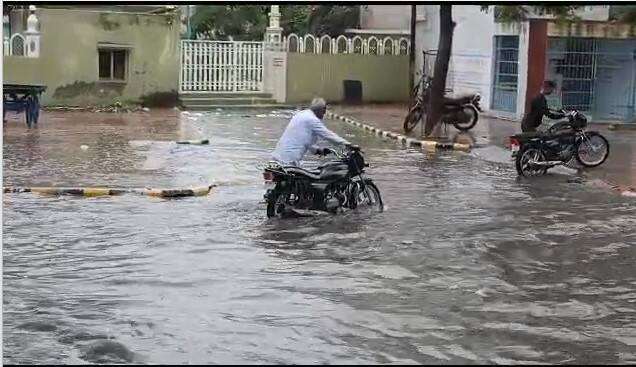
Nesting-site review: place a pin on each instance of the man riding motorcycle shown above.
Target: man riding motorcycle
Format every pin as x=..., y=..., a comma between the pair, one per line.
x=302, y=133
x=539, y=108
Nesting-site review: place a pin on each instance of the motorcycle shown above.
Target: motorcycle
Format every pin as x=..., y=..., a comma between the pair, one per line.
x=333, y=186
x=534, y=153
x=461, y=112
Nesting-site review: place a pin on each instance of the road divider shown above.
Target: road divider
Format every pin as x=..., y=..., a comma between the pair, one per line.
x=194, y=142
x=100, y=191
x=405, y=140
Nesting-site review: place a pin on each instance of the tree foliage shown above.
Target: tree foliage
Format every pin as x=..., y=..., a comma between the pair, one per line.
x=518, y=13
x=240, y=22
x=248, y=22
x=623, y=13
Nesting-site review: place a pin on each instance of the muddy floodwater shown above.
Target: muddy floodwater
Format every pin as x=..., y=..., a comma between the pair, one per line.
x=467, y=264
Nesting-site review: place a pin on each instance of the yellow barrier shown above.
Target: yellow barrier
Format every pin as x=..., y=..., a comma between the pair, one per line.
x=98, y=191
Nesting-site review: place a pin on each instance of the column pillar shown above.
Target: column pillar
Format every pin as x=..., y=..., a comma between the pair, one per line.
x=32, y=35
x=537, y=56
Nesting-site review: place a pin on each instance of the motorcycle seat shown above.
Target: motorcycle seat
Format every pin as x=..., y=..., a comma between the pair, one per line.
x=329, y=172
x=329, y=164
x=461, y=99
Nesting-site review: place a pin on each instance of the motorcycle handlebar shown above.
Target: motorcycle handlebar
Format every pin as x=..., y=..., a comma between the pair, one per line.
x=339, y=155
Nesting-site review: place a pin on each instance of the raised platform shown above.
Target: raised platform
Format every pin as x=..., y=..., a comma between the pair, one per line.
x=210, y=101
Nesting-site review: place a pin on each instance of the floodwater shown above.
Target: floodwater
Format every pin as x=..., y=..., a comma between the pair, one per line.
x=467, y=264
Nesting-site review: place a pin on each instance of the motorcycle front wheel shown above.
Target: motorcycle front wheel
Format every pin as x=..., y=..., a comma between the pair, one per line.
x=593, y=150
x=413, y=118
x=369, y=197
x=469, y=117
x=525, y=159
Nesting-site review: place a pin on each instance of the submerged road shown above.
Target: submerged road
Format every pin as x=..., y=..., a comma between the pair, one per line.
x=467, y=264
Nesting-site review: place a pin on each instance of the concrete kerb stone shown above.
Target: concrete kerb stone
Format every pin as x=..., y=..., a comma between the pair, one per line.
x=194, y=142
x=400, y=138
x=99, y=191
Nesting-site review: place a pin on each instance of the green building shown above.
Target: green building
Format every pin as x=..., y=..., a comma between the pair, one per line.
x=91, y=55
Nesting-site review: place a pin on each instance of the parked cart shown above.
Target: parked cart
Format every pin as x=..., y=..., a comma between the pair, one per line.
x=23, y=98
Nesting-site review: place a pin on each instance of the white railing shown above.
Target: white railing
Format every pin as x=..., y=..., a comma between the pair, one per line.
x=221, y=66
x=347, y=45
x=15, y=45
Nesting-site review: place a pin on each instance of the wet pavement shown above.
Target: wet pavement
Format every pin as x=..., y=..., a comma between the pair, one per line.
x=467, y=264
x=619, y=169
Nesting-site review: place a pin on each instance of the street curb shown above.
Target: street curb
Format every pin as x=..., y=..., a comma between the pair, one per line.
x=194, y=142
x=620, y=189
x=98, y=191
x=423, y=144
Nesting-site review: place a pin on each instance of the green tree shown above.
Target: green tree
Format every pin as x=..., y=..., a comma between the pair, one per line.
x=248, y=22
x=333, y=19
x=623, y=13
x=240, y=22
x=294, y=18
x=503, y=13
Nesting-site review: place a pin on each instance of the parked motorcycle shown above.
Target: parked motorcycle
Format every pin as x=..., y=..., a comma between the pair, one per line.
x=461, y=112
x=335, y=185
x=535, y=153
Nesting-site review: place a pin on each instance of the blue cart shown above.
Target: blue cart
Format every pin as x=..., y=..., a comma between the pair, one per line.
x=23, y=98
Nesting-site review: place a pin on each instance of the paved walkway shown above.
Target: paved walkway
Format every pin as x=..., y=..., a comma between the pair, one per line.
x=619, y=170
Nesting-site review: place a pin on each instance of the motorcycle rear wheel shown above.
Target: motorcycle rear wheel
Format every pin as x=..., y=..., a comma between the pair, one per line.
x=522, y=162
x=276, y=205
x=472, y=116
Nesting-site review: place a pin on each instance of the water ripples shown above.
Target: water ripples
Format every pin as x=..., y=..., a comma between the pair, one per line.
x=466, y=265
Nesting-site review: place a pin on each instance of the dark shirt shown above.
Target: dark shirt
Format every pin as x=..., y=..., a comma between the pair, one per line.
x=538, y=109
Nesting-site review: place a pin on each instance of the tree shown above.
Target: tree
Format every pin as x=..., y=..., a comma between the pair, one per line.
x=238, y=22
x=623, y=13
x=333, y=20
x=440, y=71
x=248, y=22
x=503, y=13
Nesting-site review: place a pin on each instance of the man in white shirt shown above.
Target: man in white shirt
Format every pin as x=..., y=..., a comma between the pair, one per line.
x=302, y=133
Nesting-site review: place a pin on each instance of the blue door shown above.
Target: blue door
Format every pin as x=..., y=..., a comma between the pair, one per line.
x=615, y=87
x=504, y=94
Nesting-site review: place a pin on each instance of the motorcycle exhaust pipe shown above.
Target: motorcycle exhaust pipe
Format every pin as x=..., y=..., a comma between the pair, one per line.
x=332, y=203
x=547, y=163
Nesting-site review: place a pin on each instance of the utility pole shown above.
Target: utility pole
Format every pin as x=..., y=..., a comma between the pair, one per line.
x=412, y=49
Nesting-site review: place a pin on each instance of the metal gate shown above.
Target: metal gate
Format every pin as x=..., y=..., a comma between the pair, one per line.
x=221, y=66
x=504, y=95
x=597, y=76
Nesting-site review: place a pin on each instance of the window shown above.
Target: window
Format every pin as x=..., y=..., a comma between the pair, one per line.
x=113, y=64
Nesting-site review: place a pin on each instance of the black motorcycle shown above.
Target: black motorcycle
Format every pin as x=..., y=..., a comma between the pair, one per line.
x=333, y=186
x=535, y=153
x=461, y=112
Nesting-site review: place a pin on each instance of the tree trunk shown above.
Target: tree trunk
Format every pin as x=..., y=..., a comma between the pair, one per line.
x=438, y=85
x=412, y=49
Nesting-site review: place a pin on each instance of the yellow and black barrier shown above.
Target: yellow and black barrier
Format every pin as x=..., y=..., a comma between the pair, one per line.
x=97, y=191
x=194, y=142
x=424, y=144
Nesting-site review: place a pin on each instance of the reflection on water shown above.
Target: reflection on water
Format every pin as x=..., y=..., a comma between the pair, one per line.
x=466, y=265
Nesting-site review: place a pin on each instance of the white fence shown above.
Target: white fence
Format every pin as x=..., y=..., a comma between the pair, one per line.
x=221, y=66
x=14, y=45
x=347, y=45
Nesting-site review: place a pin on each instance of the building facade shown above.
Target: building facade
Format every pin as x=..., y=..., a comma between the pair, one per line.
x=91, y=56
x=593, y=61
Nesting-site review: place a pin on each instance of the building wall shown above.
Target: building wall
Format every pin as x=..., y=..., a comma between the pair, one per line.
x=385, y=17
x=68, y=62
x=384, y=78
x=471, y=61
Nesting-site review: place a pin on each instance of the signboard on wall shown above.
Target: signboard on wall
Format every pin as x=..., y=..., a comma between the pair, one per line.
x=470, y=73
